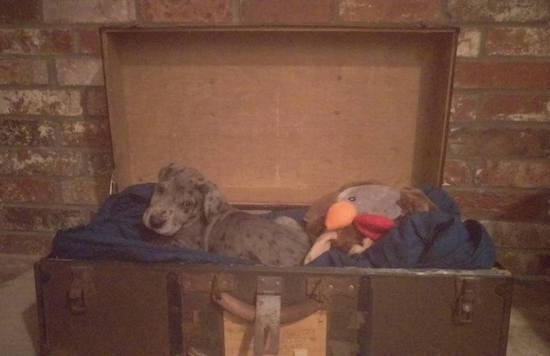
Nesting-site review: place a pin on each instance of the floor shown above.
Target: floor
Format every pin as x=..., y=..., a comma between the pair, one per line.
x=529, y=324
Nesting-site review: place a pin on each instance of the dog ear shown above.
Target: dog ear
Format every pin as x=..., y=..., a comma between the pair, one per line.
x=214, y=202
x=167, y=171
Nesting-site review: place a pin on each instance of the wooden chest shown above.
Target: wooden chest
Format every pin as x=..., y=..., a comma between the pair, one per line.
x=275, y=116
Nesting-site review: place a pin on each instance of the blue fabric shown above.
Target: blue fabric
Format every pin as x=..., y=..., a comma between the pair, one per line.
x=425, y=240
x=116, y=232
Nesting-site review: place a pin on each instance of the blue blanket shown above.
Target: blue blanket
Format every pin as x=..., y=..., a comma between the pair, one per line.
x=423, y=240
x=117, y=233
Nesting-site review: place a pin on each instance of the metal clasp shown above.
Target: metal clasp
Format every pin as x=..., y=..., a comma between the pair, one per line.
x=80, y=290
x=268, y=316
x=466, y=292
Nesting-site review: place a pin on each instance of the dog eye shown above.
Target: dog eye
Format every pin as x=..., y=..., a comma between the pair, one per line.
x=160, y=189
x=351, y=198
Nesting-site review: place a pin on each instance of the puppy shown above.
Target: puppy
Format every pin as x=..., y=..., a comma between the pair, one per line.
x=192, y=210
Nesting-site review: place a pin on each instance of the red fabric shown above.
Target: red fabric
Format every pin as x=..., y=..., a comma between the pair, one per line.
x=373, y=226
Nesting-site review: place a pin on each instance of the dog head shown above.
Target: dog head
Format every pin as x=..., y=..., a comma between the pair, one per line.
x=182, y=197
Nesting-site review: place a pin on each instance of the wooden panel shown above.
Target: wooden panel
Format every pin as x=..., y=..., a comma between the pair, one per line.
x=280, y=116
x=305, y=337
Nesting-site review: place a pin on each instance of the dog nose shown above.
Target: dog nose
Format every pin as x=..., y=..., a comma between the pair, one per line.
x=156, y=221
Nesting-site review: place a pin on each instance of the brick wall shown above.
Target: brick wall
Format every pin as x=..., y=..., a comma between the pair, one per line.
x=55, y=157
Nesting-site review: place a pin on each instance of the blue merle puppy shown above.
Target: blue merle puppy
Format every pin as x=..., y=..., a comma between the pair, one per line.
x=193, y=211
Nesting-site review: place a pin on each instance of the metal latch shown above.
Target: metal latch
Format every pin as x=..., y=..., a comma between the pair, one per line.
x=268, y=316
x=322, y=289
x=80, y=290
x=466, y=297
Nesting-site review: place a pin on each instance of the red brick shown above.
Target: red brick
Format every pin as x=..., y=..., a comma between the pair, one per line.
x=515, y=234
x=89, y=11
x=27, y=133
x=469, y=42
x=14, y=132
x=515, y=107
x=501, y=204
x=99, y=164
x=281, y=11
x=83, y=190
x=19, y=11
x=79, y=71
x=59, y=41
x=514, y=173
x=464, y=107
x=389, y=11
x=524, y=262
x=456, y=172
x=45, y=134
x=196, y=11
x=29, y=243
x=85, y=134
x=42, y=162
x=36, y=41
x=89, y=42
x=40, y=219
x=518, y=41
x=23, y=71
x=498, y=11
x=490, y=142
x=502, y=75
x=96, y=101
x=40, y=102
x=27, y=190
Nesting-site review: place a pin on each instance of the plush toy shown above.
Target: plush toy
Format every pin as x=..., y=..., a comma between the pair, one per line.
x=353, y=218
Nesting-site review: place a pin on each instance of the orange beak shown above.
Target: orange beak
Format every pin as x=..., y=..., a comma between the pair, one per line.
x=340, y=214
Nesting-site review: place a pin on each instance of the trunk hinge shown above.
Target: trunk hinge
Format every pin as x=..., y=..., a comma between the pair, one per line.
x=268, y=316
x=466, y=298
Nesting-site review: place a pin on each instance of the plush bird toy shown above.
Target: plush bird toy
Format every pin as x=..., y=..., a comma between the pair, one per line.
x=353, y=218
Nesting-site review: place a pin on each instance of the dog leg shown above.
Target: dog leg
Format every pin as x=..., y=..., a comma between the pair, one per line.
x=288, y=222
